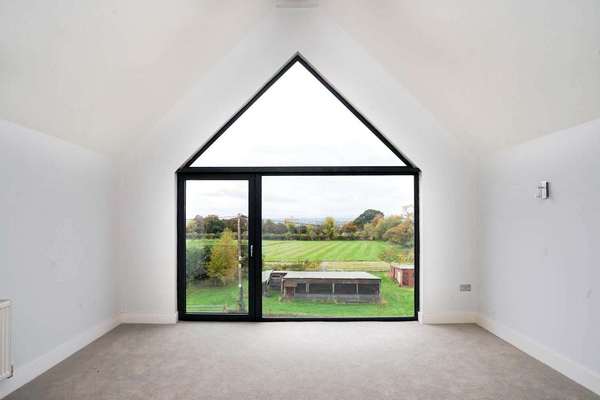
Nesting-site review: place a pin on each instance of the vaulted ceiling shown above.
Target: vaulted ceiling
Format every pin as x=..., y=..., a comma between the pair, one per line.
x=494, y=73
x=97, y=73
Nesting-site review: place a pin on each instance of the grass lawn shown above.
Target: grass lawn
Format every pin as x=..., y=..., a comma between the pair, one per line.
x=396, y=302
x=327, y=250
x=334, y=250
x=204, y=298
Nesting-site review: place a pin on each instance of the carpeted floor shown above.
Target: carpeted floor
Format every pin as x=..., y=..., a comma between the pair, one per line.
x=303, y=360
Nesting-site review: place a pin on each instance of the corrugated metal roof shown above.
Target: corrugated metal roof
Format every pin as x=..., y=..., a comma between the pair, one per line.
x=329, y=275
x=266, y=275
x=403, y=266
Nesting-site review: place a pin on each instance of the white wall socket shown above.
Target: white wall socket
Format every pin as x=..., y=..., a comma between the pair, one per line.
x=543, y=190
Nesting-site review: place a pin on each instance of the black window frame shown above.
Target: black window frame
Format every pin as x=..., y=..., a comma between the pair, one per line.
x=254, y=176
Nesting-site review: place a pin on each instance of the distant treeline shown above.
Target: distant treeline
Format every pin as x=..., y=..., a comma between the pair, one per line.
x=211, y=226
x=369, y=225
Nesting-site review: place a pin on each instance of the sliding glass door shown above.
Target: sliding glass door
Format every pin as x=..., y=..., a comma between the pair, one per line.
x=275, y=246
x=216, y=246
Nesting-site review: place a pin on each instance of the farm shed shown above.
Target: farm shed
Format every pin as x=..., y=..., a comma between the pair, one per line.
x=404, y=274
x=359, y=287
x=271, y=281
x=265, y=279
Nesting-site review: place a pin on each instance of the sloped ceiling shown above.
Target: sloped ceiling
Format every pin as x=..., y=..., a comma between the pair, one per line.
x=98, y=73
x=494, y=73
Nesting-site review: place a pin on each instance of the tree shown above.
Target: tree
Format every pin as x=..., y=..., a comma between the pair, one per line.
x=384, y=224
x=212, y=224
x=280, y=228
x=290, y=225
x=268, y=226
x=367, y=217
x=349, y=227
x=329, y=227
x=370, y=229
x=191, y=226
x=271, y=227
x=231, y=224
x=195, y=227
x=196, y=260
x=311, y=231
x=402, y=234
x=301, y=229
x=200, y=223
x=223, y=261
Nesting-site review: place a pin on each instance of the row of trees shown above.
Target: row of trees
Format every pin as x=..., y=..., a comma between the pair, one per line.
x=211, y=226
x=297, y=231
x=369, y=225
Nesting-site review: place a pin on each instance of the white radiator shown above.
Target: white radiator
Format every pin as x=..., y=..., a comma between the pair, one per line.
x=5, y=341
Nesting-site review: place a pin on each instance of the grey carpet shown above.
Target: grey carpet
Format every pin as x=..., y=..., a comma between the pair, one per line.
x=372, y=360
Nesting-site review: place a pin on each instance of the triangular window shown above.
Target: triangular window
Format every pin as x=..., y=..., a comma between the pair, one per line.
x=297, y=121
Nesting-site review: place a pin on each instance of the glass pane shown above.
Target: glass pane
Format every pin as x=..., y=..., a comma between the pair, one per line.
x=217, y=246
x=297, y=122
x=338, y=246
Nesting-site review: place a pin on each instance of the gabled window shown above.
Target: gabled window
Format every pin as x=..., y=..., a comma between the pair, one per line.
x=298, y=122
x=298, y=208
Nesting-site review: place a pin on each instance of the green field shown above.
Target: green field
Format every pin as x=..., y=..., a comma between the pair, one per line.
x=331, y=256
x=334, y=250
x=396, y=302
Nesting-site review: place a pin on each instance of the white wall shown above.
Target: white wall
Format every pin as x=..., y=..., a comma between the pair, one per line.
x=540, y=259
x=147, y=254
x=56, y=251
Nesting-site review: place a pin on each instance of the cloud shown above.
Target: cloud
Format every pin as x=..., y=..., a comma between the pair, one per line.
x=303, y=196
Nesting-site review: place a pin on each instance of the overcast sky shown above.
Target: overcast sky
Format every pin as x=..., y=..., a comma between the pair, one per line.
x=340, y=197
x=297, y=122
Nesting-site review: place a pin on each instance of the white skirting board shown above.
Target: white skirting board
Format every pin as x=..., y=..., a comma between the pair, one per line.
x=448, y=317
x=571, y=369
x=575, y=371
x=142, y=318
x=29, y=371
